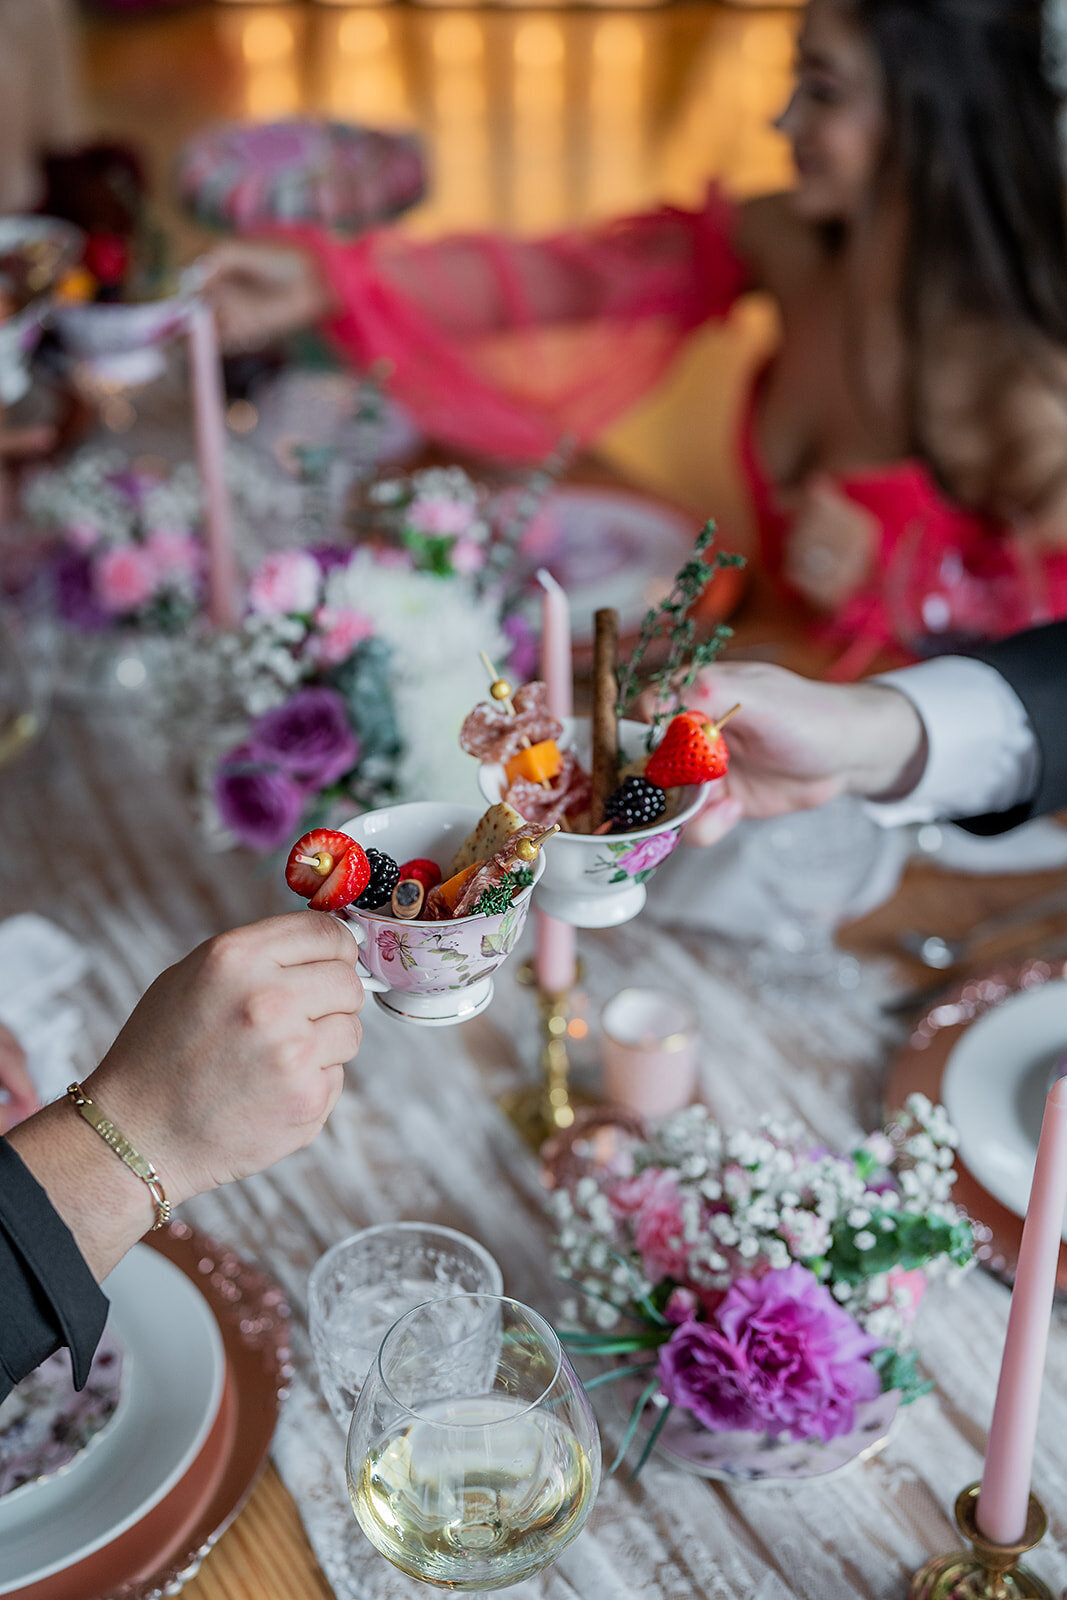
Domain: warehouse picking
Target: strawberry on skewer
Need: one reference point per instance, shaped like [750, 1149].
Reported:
[328, 869]
[692, 750]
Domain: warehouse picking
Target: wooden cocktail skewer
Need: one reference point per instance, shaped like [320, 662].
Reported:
[500, 690]
[713, 728]
[323, 862]
[528, 850]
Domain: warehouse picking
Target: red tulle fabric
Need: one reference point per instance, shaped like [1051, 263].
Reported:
[506, 347]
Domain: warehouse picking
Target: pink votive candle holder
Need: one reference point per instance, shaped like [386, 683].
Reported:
[648, 1049]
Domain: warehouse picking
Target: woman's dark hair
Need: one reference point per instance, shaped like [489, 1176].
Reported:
[974, 147]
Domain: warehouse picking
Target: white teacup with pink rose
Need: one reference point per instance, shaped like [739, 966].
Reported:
[598, 881]
[433, 974]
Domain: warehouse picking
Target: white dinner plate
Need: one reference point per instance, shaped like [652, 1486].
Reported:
[174, 1366]
[609, 547]
[995, 1086]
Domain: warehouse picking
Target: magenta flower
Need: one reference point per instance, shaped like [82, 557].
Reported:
[648, 853]
[782, 1357]
[310, 738]
[340, 630]
[261, 804]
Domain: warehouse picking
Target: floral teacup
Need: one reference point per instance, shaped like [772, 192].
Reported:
[431, 973]
[121, 345]
[599, 882]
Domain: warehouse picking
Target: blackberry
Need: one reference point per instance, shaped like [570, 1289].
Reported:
[635, 804]
[384, 877]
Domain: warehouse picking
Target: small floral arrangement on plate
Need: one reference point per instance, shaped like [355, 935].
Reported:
[127, 551]
[438, 516]
[757, 1282]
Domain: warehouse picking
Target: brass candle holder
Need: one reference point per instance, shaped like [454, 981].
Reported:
[987, 1571]
[547, 1107]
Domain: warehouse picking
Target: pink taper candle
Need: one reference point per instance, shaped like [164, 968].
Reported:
[1002, 1504]
[556, 667]
[556, 959]
[205, 365]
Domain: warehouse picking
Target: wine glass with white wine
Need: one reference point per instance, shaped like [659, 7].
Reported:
[473, 1452]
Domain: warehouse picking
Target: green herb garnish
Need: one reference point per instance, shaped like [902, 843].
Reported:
[670, 620]
[497, 899]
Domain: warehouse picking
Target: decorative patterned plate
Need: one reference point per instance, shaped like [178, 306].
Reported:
[164, 1549]
[246, 175]
[921, 1066]
[46, 1425]
[757, 1457]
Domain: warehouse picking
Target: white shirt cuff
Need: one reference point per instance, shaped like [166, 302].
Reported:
[981, 751]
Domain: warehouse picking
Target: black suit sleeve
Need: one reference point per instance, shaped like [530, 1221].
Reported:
[48, 1296]
[1034, 664]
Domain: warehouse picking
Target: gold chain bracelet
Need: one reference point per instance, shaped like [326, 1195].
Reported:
[123, 1149]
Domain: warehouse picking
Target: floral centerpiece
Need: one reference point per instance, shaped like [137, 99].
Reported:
[759, 1283]
[126, 547]
[333, 696]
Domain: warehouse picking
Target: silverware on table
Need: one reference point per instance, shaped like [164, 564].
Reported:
[936, 951]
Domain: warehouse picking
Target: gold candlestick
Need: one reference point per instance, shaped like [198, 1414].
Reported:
[987, 1571]
[547, 1107]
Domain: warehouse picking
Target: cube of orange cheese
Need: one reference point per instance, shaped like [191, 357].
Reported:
[540, 762]
[450, 891]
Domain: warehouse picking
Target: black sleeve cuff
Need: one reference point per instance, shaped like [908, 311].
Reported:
[49, 1296]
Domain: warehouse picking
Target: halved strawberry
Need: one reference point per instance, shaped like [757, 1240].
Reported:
[328, 869]
[426, 872]
[686, 753]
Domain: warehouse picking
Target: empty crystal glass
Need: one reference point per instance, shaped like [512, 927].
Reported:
[359, 1288]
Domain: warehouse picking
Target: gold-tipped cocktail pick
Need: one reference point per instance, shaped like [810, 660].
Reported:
[322, 862]
[500, 691]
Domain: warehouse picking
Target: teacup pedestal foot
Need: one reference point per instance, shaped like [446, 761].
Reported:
[438, 1010]
[986, 1571]
[540, 1110]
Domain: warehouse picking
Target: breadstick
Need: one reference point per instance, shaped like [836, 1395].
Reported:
[605, 714]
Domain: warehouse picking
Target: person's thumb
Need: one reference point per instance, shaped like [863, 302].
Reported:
[714, 822]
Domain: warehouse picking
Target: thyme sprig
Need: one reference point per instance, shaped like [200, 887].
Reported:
[670, 620]
[496, 900]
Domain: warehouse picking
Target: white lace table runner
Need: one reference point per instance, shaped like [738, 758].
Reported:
[108, 851]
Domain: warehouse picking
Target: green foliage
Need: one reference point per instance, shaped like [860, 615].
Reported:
[900, 1370]
[365, 680]
[670, 621]
[902, 1239]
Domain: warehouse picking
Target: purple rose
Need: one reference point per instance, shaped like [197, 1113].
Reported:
[310, 737]
[648, 853]
[260, 803]
[781, 1357]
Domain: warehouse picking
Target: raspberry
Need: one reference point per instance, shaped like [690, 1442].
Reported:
[427, 872]
[384, 877]
[635, 804]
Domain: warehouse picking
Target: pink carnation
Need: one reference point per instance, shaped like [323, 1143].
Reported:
[82, 535]
[125, 578]
[467, 556]
[173, 554]
[340, 630]
[653, 1202]
[285, 583]
[439, 515]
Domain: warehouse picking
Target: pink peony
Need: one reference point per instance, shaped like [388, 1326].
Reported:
[285, 583]
[782, 1357]
[124, 578]
[439, 515]
[647, 853]
[340, 630]
[173, 554]
[653, 1203]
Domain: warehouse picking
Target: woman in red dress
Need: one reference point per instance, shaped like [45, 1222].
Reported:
[918, 394]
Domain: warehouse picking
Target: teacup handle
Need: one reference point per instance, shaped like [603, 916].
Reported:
[371, 984]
